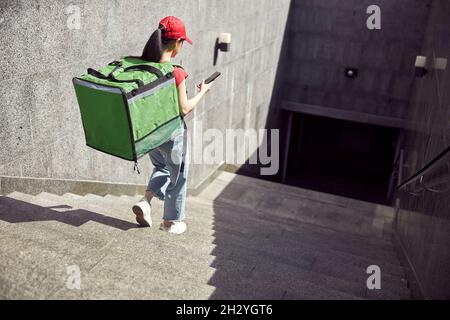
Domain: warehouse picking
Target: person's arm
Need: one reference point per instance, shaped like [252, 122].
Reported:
[188, 105]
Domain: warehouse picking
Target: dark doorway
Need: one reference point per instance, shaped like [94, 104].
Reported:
[341, 157]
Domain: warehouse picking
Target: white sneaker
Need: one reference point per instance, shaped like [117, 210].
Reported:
[143, 211]
[177, 227]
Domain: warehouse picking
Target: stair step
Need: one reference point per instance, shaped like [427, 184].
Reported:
[263, 289]
[302, 259]
[116, 218]
[396, 286]
[72, 196]
[145, 270]
[177, 254]
[190, 239]
[245, 249]
[242, 243]
[114, 286]
[110, 202]
[241, 229]
[210, 216]
[45, 199]
[35, 217]
[282, 189]
[95, 234]
[36, 248]
[135, 198]
[292, 275]
[111, 198]
[305, 233]
[259, 217]
[116, 206]
[303, 210]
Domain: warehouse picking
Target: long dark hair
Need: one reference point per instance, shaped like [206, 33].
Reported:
[155, 46]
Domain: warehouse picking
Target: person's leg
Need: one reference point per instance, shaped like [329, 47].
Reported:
[156, 188]
[174, 205]
[159, 179]
[175, 192]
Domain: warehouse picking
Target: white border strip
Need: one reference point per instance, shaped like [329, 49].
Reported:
[97, 86]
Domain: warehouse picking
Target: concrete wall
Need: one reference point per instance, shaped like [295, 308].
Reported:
[325, 37]
[423, 221]
[40, 129]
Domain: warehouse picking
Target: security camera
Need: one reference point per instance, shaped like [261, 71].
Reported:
[351, 73]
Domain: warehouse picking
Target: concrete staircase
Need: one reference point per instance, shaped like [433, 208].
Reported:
[246, 239]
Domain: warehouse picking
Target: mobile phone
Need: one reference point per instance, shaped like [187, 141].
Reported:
[212, 77]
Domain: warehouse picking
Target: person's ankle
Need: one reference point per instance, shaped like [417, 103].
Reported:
[149, 196]
[168, 224]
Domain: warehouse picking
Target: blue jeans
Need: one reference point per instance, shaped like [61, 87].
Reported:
[169, 178]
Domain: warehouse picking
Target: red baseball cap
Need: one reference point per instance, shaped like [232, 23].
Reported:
[174, 28]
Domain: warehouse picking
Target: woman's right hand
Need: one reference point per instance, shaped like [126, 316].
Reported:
[203, 87]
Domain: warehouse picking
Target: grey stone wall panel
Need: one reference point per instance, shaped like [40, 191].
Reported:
[41, 130]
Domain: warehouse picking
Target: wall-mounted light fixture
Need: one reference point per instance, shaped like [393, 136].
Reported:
[440, 64]
[421, 66]
[223, 43]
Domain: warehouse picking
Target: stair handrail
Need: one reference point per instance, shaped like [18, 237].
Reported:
[420, 175]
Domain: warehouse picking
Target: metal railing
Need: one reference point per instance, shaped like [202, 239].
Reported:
[430, 184]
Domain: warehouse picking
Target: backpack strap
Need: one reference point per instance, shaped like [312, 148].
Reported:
[177, 65]
[111, 77]
[144, 67]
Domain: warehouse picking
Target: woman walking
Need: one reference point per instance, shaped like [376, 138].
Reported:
[169, 178]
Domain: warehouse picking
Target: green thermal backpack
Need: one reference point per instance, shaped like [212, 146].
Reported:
[129, 107]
